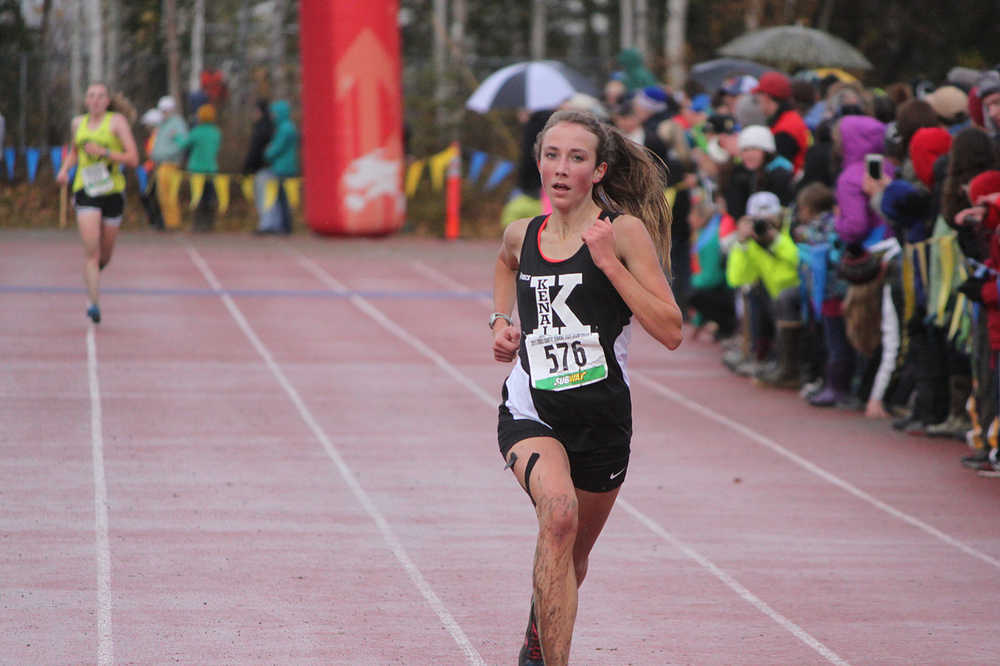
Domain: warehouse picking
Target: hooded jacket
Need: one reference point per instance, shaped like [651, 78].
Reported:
[283, 151]
[636, 74]
[860, 135]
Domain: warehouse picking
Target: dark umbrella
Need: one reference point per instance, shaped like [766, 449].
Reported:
[533, 85]
[796, 45]
[711, 73]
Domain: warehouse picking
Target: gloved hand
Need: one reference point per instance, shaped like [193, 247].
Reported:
[973, 289]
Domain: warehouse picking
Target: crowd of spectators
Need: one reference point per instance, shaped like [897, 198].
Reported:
[172, 146]
[833, 238]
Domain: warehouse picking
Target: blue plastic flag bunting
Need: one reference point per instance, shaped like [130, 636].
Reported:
[476, 163]
[500, 171]
[9, 155]
[31, 155]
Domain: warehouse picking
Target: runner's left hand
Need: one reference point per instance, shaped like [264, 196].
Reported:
[600, 240]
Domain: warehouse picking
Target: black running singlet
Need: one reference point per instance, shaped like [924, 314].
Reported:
[575, 331]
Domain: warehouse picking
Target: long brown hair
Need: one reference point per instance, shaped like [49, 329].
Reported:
[635, 182]
[972, 153]
[119, 103]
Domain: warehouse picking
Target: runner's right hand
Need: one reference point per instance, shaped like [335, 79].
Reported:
[506, 341]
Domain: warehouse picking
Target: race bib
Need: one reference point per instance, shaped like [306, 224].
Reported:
[97, 179]
[561, 361]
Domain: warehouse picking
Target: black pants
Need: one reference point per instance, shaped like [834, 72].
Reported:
[716, 304]
[204, 213]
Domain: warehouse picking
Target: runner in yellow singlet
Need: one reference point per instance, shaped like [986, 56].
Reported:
[101, 143]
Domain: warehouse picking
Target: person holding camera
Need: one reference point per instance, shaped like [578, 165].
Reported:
[766, 257]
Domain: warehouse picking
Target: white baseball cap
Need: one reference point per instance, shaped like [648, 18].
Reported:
[763, 204]
[757, 136]
[152, 118]
[166, 104]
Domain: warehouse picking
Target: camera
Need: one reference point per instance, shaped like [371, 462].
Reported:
[760, 227]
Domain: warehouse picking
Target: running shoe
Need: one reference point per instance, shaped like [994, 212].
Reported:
[94, 313]
[531, 651]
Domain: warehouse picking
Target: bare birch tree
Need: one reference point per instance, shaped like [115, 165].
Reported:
[627, 35]
[76, 58]
[279, 79]
[676, 29]
[751, 19]
[197, 45]
[95, 40]
[173, 52]
[539, 28]
[640, 29]
[114, 41]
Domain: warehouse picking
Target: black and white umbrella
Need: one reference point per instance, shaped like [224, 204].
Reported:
[534, 85]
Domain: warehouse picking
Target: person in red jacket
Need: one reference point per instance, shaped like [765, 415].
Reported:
[791, 136]
[982, 287]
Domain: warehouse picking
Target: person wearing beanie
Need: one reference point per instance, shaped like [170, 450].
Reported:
[169, 159]
[988, 92]
[927, 145]
[791, 136]
[151, 120]
[202, 144]
[759, 169]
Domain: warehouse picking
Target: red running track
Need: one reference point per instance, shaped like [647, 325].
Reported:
[281, 451]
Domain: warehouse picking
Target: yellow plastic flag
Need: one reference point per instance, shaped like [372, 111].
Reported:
[413, 174]
[197, 188]
[246, 186]
[293, 186]
[221, 182]
[270, 193]
[946, 255]
[439, 163]
[909, 292]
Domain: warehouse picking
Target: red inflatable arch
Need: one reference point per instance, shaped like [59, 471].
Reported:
[352, 116]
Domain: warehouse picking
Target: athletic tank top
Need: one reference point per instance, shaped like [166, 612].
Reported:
[90, 169]
[575, 330]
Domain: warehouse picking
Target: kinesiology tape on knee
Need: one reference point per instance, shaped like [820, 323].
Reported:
[527, 475]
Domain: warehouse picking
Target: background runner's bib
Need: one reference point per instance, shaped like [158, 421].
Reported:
[97, 179]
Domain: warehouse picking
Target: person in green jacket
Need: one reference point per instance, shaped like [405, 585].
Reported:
[203, 142]
[767, 256]
[282, 155]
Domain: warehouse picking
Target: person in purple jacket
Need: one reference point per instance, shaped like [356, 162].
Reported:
[854, 137]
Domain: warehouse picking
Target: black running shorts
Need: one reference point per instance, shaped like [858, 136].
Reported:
[594, 469]
[111, 205]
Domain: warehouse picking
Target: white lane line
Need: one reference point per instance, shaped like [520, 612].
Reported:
[345, 471]
[105, 639]
[811, 467]
[389, 325]
[732, 584]
[650, 524]
[755, 436]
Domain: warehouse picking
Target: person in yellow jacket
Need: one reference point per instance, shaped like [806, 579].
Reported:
[102, 142]
[765, 254]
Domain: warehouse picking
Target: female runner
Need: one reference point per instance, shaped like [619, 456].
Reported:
[102, 142]
[578, 276]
